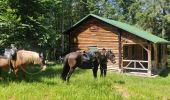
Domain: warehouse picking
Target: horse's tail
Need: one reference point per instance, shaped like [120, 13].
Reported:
[65, 68]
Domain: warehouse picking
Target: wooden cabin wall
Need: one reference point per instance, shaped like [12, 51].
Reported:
[95, 33]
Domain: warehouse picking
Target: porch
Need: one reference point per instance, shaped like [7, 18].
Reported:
[148, 59]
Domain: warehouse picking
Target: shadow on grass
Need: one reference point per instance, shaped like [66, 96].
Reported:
[119, 82]
[165, 72]
[53, 71]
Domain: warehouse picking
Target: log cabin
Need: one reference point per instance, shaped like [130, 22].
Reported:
[135, 49]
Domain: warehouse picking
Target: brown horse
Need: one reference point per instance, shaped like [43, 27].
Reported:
[5, 63]
[103, 58]
[23, 58]
[5, 59]
[78, 59]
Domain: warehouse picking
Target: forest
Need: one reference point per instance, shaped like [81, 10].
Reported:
[38, 24]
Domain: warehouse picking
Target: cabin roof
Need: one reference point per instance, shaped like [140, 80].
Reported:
[129, 28]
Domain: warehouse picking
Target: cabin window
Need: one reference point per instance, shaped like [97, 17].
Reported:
[93, 35]
[92, 48]
[93, 28]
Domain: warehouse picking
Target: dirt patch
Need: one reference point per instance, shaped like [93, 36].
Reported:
[165, 98]
[123, 91]
[46, 97]
[11, 98]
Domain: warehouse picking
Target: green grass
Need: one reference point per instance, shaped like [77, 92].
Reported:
[48, 86]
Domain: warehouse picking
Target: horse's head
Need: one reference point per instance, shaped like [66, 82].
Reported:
[110, 55]
[43, 61]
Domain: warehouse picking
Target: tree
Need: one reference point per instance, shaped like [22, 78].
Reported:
[38, 24]
[154, 17]
[30, 13]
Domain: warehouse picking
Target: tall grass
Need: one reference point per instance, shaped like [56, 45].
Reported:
[82, 86]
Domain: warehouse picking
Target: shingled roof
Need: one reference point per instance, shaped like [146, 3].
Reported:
[126, 27]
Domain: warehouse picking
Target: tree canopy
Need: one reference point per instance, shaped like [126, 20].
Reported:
[38, 24]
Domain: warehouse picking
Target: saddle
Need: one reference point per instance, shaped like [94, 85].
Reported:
[86, 57]
[86, 63]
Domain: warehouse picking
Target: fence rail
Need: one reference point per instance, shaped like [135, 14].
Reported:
[134, 66]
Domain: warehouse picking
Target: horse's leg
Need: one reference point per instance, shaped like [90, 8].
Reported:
[70, 73]
[16, 72]
[95, 68]
[101, 70]
[0, 73]
[95, 72]
[72, 64]
[23, 73]
[105, 69]
[65, 71]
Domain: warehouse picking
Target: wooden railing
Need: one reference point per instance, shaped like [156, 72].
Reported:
[134, 66]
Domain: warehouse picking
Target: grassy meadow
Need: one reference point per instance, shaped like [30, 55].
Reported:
[116, 86]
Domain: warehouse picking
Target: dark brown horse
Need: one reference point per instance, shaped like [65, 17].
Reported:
[103, 58]
[78, 59]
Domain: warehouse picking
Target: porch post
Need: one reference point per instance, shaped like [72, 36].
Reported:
[155, 55]
[149, 60]
[120, 50]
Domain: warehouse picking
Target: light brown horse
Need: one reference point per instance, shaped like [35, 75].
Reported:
[23, 58]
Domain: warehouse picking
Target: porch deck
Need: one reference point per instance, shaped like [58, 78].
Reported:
[132, 72]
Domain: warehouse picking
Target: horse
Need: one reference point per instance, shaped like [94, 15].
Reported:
[5, 59]
[5, 63]
[77, 59]
[23, 58]
[103, 58]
